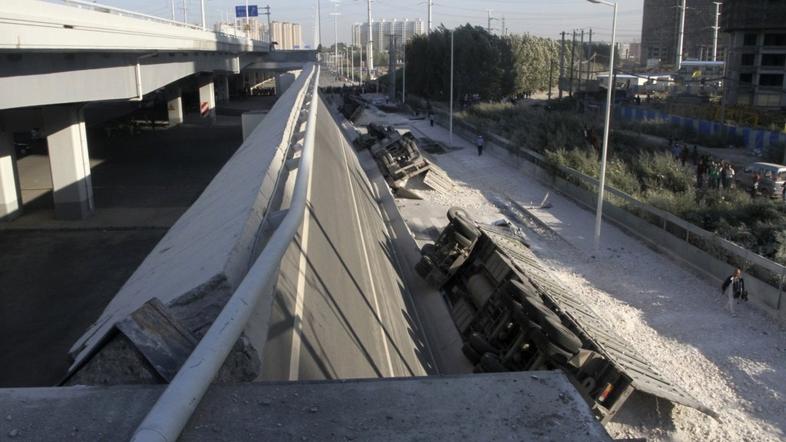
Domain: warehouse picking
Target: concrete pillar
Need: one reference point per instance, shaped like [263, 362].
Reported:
[174, 105]
[10, 192]
[222, 89]
[69, 161]
[283, 82]
[207, 98]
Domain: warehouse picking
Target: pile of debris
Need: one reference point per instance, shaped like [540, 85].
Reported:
[514, 316]
[401, 161]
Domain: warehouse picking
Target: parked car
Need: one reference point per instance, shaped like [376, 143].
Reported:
[773, 178]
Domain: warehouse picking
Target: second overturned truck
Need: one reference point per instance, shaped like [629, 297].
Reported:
[513, 315]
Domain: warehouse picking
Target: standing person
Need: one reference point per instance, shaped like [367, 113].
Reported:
[694, 155]
[755, 186]
[479, 141]
[700, 169]
[734, 289]
[728, 174]
[714, 175]
[684, 155]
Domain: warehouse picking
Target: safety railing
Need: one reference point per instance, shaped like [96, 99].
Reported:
[125, 12]
[171, 412]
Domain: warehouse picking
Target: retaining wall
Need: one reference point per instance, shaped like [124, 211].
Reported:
[755, 139]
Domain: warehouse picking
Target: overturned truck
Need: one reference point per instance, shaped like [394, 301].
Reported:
[513, 315]
[400, 158]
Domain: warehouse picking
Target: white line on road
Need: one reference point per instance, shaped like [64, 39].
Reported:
[365, 255]
[297, 322]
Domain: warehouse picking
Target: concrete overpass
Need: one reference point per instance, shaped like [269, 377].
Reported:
[58, 57]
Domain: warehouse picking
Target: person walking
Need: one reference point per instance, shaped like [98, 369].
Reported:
[480, 142]
[728, 176]
[700, 170]
[734, 289]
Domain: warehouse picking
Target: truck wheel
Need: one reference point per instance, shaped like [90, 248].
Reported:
[466, 228]
[428, 250]
[537, 311]
[479, 343]
[423, 267]
[462, 240]
[491, 364]
[561, 336]
[470, 353]
[457, 212]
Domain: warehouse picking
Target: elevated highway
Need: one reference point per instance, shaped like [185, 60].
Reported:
[59, 57]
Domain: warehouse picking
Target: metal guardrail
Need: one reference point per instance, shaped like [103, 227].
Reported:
[125, 12]
[171, 412]
[138, 15]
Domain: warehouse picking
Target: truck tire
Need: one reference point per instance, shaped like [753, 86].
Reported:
[491, 364]
[465, 228]
[457, 212]
[561, 336]
[423, 267]
[480, 344]
[462, 240]
[428, 250]
[470, 353]
[524, 290]
[537, 311]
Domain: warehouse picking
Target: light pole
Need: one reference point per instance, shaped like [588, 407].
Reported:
[451, 87]
[601, 187]
[404, 74]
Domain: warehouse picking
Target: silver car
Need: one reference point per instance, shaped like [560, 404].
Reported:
[773, 178]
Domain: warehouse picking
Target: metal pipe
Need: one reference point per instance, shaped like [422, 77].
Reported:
[138, 71]
[174, 408]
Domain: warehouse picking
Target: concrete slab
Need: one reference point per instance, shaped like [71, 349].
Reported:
[535, 406]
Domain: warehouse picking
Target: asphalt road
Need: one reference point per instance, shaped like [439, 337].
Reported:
[340, 310]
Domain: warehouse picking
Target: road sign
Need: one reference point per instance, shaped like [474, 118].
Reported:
[240, 11]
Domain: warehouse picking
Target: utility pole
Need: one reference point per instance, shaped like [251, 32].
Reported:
[504, 29]
[335, 46]
[572, 59]
[352, 63]
[681, 38]
[404, 74]
[430, 4]
[370, 48]
[590, 55]
[185, 10]
[269, 28]
[173, 9]
[451, 86]
[715, 30]
[561, 64]
[247, 17]
[581, 59]
[392, 66]
[204, 23]
[488, 28]
[551, 76]
[318, 32]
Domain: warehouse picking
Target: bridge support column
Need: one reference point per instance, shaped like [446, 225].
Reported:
[222, 89]
[174, 105]
[69, 161]
[283, 82]
[207, 97]
[10, 192]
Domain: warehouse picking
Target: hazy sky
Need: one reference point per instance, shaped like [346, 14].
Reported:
[539, 17]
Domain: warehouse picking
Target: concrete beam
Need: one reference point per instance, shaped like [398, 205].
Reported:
[69, 161]
[10, 192]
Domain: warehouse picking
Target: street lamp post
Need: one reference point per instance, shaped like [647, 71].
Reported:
[602, 178]
[451, 88]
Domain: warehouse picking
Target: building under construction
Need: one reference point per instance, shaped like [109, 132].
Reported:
[661, 28]
[757, 63]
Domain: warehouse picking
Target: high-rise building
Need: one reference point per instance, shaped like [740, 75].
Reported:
[661, 26]
[287, 35]
[381, 30]
[756, 30]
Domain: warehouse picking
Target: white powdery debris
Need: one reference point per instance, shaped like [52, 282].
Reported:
[674, 319]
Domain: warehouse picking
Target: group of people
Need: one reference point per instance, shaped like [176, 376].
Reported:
[715, 175]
